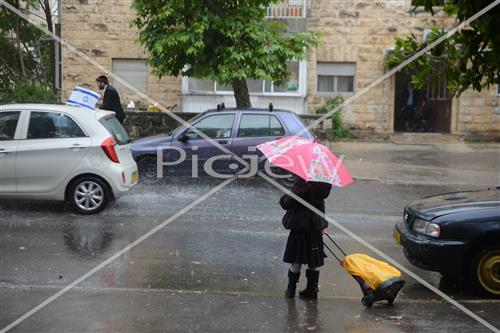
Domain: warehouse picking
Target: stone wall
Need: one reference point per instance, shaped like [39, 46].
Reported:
[101, 29]
[478, 113]
[359, 32]
[142, 123]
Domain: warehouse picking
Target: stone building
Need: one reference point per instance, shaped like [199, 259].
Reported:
[357, 36]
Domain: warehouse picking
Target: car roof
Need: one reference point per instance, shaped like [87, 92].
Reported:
[246, 110]
[73, 110]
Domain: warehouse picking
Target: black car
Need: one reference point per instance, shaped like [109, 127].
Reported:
[455, 234]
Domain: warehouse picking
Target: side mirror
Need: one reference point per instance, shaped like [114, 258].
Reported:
[184, 137]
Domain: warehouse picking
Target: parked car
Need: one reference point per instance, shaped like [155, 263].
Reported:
[58, 152]
[455, 234]
[237, 130]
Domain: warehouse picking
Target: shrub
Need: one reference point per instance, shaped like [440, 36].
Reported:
[339, 131]
[26, 92]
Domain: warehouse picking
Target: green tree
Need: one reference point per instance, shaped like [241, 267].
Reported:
[26, 57]
[470, 58]
[228, 41]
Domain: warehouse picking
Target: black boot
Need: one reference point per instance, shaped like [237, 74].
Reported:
[293, 278]
[311, 290]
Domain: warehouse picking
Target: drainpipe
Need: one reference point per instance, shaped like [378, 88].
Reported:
[57, 47]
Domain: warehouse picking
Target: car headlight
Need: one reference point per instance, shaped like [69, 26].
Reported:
[426, 228]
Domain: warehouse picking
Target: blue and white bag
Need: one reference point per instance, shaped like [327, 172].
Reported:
[83, 97]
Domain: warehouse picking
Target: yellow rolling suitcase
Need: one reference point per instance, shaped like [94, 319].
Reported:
[378, 280]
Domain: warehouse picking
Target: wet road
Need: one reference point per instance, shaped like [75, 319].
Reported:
[215, 269]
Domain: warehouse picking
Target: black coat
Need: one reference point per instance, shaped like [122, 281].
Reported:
[300, 217]
[111, 102]
[305, 242]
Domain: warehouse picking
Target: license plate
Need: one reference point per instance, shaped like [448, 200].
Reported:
[133, 178]
[397, 236]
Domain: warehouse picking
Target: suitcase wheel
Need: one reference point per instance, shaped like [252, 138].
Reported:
[368, 300]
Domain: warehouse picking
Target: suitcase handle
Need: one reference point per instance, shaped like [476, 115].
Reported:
[338, 247]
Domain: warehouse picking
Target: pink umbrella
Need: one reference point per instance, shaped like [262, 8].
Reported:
[307, 159]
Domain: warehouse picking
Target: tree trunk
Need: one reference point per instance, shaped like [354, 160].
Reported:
[241, 94]
[18, 42]
[45, 4]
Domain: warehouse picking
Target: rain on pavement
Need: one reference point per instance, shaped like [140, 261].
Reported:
[218, 267]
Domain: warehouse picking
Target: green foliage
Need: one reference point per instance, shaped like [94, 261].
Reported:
[26, 92]
[224, 40]
[339, 131]
[426, 69]
[470, 58]
[9, 72]
[25, 56]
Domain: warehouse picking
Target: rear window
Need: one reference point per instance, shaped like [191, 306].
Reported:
[116, 130]
[259, 125]
[295, 125]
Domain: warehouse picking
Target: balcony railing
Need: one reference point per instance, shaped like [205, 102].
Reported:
[287, 9]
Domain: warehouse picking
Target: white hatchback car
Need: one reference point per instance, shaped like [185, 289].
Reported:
[66, 153]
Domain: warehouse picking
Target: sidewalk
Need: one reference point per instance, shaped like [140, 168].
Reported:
[426, 163]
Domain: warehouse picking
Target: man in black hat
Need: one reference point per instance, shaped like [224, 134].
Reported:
[111, 99]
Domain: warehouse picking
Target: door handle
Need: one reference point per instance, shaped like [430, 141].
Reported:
[223, 142]
[76, 146]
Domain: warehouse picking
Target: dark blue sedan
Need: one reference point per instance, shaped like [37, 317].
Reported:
[240, 131]
[455, 234]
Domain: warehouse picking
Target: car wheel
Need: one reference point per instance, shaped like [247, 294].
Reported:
[148, 170]
[485, 271]
[89, 195]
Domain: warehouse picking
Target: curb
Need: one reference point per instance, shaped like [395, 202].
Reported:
[408, 182]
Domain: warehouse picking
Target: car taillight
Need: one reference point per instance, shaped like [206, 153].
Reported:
[109, 148]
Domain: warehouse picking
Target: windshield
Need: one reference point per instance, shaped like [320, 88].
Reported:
[190, 121]
[116, 130]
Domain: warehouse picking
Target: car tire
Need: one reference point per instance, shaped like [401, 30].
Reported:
[485, 271]
[148, 170]
[89, 195]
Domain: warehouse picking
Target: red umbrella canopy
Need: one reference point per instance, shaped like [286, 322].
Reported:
[307, 159]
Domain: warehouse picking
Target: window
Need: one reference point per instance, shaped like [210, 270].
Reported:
[201, 85]
[254, 86]
[292, 86]
[498, 89]
[116, 130]
[134, 71]
[336, 76]
[215, 127]
[259, 125]
[49, 125]
[8, 125]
